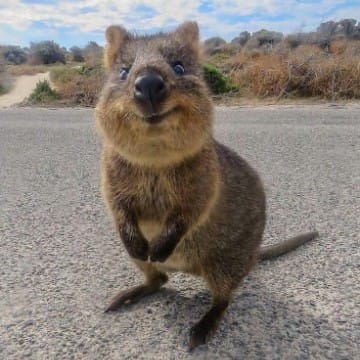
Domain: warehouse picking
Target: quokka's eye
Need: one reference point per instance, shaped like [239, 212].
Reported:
[124, 73]
[178, 68]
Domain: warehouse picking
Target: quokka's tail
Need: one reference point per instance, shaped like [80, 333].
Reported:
[273, 251]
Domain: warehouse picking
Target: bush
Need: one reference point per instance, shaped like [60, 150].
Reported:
[264, 38]
[307, 71]
[93, 53]
[216, 80]
[326, 33]
[63, 74]
[77, 54]
[46, 52]
[214, 45]
[5, 78]
[43, 93]
[347, 48]
[13, 54]
[80, 85]
[295, 40]
[242, 39]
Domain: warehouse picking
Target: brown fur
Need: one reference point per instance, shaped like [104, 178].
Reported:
[180, 200]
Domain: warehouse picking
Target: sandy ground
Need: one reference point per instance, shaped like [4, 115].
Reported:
[61, 261]
[22, 88]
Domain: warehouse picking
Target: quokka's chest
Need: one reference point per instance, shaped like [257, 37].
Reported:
[153, 199]
[151, 194]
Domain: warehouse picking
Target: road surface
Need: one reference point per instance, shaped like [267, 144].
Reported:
[61, 261]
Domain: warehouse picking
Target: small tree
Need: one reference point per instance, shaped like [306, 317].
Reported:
[356, 34]
[214, 45]
[346, 27]
[93, 53]
[266, 37]
[46, 52]
[242, 39]
[13, 54]
[326, 29]
[77, 54]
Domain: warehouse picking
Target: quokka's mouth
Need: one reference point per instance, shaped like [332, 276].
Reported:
[157, 118]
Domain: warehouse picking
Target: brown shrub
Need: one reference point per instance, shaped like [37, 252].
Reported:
[282, 49]
[93, 54]
[348, 48]
[260, 75]
[338, 47]
[63, 74]
[305, 71]
[335, 78]
[82, 88]
[305, 52]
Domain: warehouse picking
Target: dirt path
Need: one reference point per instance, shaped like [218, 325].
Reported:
[22, 88]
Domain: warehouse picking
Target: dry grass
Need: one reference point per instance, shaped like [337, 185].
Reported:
[306, 71]
[348, 48]
[78, 86]
[26, 69]
[63, 74]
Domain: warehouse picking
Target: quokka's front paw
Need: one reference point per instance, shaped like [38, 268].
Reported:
[163, 246]
[135, 244]
[141, 251]
[160, 250]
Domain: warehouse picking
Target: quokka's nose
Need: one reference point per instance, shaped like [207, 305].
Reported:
[150, 88]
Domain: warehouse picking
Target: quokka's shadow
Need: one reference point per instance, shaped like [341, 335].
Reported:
[257, 324]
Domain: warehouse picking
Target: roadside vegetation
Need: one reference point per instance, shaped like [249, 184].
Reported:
[324, 64]
[79, 84]
[217, 81]
[5, 78]
[26, 69]
[43, 94]
[306, 71]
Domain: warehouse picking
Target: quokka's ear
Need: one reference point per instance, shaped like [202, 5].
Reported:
[188, 33]
[116, 36]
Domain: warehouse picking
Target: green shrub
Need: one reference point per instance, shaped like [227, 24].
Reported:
[5, 83]
[63, 74]
[77, 54]
[216, 80]
[13, 54]
[5, 78]
[46, 52]
[43, 93]
[89, 70]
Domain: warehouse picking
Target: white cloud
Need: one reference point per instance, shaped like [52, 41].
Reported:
[291, 15]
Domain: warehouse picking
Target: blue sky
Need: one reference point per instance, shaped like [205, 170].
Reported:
[71, 22]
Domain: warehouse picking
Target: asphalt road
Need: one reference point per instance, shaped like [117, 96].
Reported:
[61, 261]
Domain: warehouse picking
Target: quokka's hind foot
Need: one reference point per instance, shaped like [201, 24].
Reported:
[221, 288]
[136, 293]
[202, 331]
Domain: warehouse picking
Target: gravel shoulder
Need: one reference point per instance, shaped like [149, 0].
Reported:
[61, 261]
